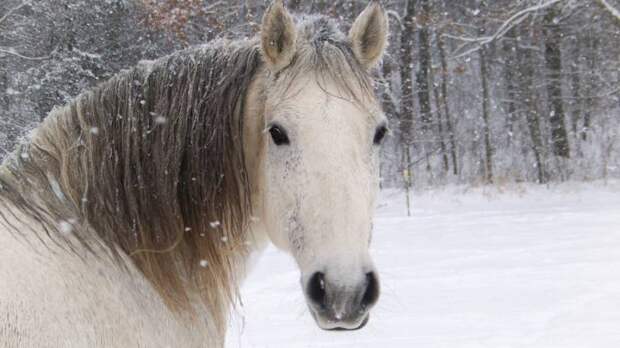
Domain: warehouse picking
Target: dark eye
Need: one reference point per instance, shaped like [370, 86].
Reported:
[379, 135]
[278, 134]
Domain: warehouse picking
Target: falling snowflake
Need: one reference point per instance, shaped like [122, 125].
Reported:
[11, 91]
[66, 227]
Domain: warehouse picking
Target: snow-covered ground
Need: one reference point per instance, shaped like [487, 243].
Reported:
[522, 266]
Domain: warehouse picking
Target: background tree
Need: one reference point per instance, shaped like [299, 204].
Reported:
[474, 89]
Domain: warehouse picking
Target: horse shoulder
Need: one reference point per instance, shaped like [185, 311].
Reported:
[51, 298]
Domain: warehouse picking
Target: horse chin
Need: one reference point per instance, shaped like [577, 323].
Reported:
[332, 325]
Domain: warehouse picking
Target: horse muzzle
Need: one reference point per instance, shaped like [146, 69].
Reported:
[337, 306]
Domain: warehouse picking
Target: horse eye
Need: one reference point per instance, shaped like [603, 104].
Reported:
[278, 134]
[379, 135]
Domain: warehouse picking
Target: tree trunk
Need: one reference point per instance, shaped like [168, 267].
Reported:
[486, 131]
[553, 59]
[590, 86]
[527, 96]
[407, 107]
[407, 178]
[422, 81]
[444, 102]
[439, 121]
[575, 80]
[509, 79]
[406, 50]
[424, 55]
[388, 104]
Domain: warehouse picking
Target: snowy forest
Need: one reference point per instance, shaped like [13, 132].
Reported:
[476, 91]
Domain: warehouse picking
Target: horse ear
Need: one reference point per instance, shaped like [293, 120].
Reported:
[369, 33]
[278, 36]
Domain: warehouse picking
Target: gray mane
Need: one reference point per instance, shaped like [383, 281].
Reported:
[146, 162]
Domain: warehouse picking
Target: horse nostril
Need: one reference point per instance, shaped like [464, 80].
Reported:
[316, 289]
[371, 295]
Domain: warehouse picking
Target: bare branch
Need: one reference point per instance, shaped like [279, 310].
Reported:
[24, 3]
[510, 23]
[396, 16]
[518, 18]
[613, 11]
[12, 52]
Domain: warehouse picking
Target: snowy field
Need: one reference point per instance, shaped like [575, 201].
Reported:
[522, 266]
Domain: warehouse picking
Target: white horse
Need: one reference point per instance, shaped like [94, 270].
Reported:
[128, 218]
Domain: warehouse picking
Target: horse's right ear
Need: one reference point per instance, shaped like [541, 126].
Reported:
[278, 36]
[369, 34]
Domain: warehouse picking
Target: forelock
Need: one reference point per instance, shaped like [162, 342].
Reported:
[324, 50]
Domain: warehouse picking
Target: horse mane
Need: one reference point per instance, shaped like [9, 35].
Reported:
[151, 163]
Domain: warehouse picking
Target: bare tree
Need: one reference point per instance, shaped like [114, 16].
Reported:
[406, 78]
[553, 59]
[445, 103]
[529, 103]
[486, 129]
[495, 86]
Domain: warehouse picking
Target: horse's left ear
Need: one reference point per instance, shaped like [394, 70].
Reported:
[278, 36]
[369, 33]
